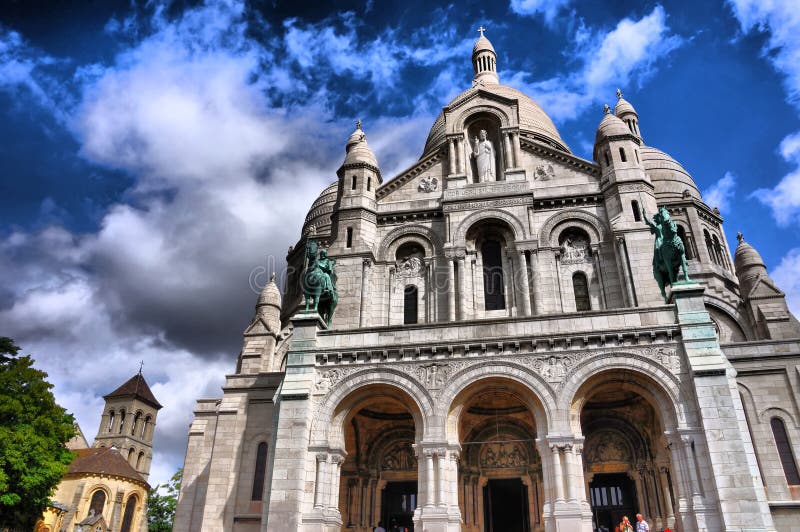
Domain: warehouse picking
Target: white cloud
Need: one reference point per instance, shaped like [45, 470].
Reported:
[787, 276]
[608, 59]
[784, 198]
[548, 8]
[721, 193]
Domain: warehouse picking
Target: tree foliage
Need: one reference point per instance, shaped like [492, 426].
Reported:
[33, 431]
[161, 507]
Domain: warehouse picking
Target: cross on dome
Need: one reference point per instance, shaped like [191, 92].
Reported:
[481, 30]
[619, 94]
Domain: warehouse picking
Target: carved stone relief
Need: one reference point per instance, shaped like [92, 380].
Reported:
[544, 172]
[606, 446]
[399, 457]
[410, 267]
[502, 455]
[428, 184]
[575, 249]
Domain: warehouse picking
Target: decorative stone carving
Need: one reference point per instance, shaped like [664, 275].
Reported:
[410, 267]
[607, 446]
[433, 376]
[575, 249]
[328, 378]
[428, 184]
[502, 456]
[544, 172]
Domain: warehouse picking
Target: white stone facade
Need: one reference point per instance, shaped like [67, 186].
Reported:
[503, 342]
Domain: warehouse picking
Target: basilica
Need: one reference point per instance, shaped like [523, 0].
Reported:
[488, 341]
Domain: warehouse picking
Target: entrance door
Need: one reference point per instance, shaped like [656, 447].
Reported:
[398, 504]
[505, 506]
[612, 496]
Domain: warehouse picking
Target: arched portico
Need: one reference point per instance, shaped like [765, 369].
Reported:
[363, 442]
[629, 419]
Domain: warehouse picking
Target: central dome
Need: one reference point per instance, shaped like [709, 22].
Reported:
[532, 118]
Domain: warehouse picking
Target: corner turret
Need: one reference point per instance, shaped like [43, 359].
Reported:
[764, 301]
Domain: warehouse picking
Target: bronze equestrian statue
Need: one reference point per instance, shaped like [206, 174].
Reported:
[319, 282]
[669, 253]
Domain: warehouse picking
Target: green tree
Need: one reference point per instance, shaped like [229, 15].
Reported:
[161, 508]
[33, 431]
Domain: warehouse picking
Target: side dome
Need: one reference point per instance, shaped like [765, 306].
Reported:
[532, 118]
[610, 126]
[669, 177]
[321, 210]
[357, 149]
[747, 257]
[270, 295]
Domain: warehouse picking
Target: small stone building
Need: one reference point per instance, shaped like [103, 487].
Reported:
[501, 357]
[105, 489]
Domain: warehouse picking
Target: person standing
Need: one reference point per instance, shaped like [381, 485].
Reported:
[625, 525]
[641, 524]
[379, 528]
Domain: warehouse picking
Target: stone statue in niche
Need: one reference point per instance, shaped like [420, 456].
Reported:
[485, 156]
[428, 184]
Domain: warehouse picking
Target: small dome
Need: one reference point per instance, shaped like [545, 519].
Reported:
[483, 44]
[319, 215]
[623, 106]
[358, 150]
[746, 257]
[270, 295]
[611, 126]
[669, 177]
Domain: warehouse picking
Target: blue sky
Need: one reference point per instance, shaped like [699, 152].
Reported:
[158, 158]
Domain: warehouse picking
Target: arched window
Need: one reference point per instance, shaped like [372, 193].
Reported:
[97, 503]
[349, 242]
[785, 451]
[353, 183]
[709, 246]
[493, 282]
[145, 425]
[136, 420]
[260, 472]
[369, 183]
[622, 155]
[121, 420]
[140, 461]
[637, 215]
[581, 288]
[110, 421]
[132, 456]
[127, 519]
[686, 245]
[410, 304]
[718, 251]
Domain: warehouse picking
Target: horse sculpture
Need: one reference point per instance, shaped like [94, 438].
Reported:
[319, 283]
[669, 253]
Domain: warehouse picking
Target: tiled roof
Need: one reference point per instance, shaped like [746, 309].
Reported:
[103, 461]
[136, 386]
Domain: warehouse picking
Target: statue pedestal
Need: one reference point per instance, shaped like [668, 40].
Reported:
[515, 174]
[455, 181]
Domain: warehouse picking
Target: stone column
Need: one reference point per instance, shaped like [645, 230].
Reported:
[517, 150]
[558, 474]
[365, 269]
[622, 256]
[462, 272]
[668, 506]
[336, 477]
[508, 155]
[537, 289]
[460, 154]
[569, 465]
[557, 260]
[599, 271]
[451, 143]
[391, 289]
[508, 281]
[526, 289]
[451, 289]
[430, 477]
[319, 496]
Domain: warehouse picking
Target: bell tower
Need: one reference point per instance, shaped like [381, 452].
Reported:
[129, 421]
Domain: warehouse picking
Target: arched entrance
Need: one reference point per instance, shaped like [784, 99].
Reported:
[626, 462]
[500, 472]
[378, 479]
